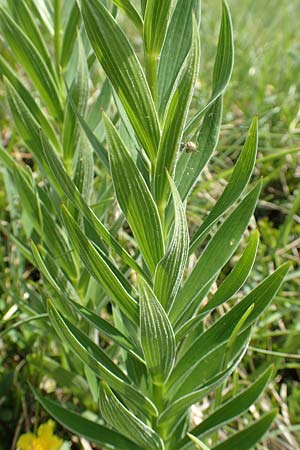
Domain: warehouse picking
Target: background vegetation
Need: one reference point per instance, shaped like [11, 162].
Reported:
[265, 82]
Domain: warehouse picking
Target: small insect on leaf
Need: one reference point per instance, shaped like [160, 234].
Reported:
[189, 147]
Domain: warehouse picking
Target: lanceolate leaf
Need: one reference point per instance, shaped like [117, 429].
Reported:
[190, 165]
[95, 263]
[246, 439]
[235, 187]
[221, 331]
[69, 37]
[157, 336]
[65, 187]
[218, 251]
[32, 62]
[229, 410]
[25, 20]
[124, 72]
[79, 92]
[199, 444]
[210, 374]
[78, 344]
[222, 68]
[93, 140]
[115, 413]
[155, 26]
[170, 269]
[234, 281]
[107, 329]
[79, 425]
[135, 199]
[29, 101]
[131, 13]
[176, 47]
[174, 123]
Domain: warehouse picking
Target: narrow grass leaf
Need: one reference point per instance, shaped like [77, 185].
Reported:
[124, 72]
[135, 199]
[78, 425]
[233, 191]
[78, 342]
[174, 123]
[97, 266]
[230, 410]
[246, 439]
[32, 62]
[157, 336]
[176, 46]
[218, 251]
[222, 68]
[115, 413]
[169, 272]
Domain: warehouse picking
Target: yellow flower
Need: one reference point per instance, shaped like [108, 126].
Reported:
[45, 439]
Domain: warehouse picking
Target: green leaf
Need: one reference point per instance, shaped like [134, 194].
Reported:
[93, 140]
[169, 272]
[95, 262]
[190, 165]
[176, 47]
[157, 336]
[174, 123]
[222, 68]
[115, 413]
[78, 425]
[234, 281]
[210, 374]
[131, 12]
[239, 180]
[26, 22]
[246, 439]
[155, 25]
[35, 110]
[196, 442]
[135, 199]
[233, 408]
[65, 187]
[79, 343]
[79, 92]
[69, 36]
[222, 329]
[32, 62]
[107, 329]
[218, 251]
[124, 72]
